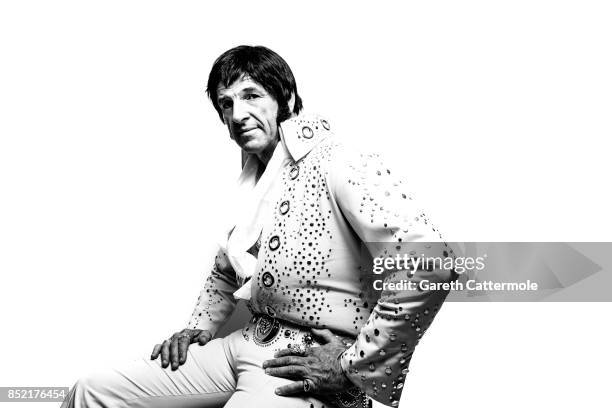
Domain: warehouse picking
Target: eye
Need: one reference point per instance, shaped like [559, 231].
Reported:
[225, 104]
[251, 96]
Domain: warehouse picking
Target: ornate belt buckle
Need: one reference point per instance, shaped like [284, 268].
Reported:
[266, 330]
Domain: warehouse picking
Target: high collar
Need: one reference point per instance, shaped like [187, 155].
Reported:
[302, 133]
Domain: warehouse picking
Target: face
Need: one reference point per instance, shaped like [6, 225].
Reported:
[249, 113]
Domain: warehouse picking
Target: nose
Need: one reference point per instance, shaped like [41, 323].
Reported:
[239, 112]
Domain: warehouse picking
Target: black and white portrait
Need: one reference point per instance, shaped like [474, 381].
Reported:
[189, 192]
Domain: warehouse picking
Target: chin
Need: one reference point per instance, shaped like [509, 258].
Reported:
[251, 148]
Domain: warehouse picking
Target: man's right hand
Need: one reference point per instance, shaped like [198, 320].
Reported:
[174, 350]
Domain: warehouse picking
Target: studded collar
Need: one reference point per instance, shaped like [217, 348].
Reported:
[303, 132]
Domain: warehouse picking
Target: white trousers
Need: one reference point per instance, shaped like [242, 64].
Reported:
[225, 372]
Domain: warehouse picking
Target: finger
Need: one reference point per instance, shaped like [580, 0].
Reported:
[204, 338]
[156, 351]
[295, 387]
[165, 353]
[283, 352]
[292, 372]
[283, 361]
[324, 334]
[288, 352]
[183, 344]
[174, 356]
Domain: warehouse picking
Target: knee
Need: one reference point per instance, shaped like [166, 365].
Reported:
[88, 391]
[86, 383]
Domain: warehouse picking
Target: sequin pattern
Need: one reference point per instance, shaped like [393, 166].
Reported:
[216, 301]
[332, 200]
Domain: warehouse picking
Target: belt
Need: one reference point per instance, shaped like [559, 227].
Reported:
[267, 331]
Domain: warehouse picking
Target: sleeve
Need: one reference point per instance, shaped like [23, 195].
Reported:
[376, 204]
[216, 301]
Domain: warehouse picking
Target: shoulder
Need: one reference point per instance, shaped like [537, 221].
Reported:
[304, 133]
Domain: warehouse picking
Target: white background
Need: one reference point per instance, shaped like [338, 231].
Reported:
[113, 168]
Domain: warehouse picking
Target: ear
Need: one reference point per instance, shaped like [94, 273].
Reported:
[291, 103]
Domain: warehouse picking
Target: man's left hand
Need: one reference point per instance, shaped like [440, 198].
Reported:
[316, 370]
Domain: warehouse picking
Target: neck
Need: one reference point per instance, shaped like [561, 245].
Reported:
[266, 155]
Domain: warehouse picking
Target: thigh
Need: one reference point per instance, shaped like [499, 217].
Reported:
[206, 379]
[266, 398]
[254, 387]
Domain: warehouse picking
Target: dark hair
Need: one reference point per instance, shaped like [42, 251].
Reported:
[263, 66]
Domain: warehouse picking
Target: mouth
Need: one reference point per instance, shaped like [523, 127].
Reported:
[245, 131]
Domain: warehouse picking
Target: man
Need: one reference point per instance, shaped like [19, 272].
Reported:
[304, 208]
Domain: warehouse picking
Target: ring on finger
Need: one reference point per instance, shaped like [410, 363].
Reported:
[299, 349]
[308, 385]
